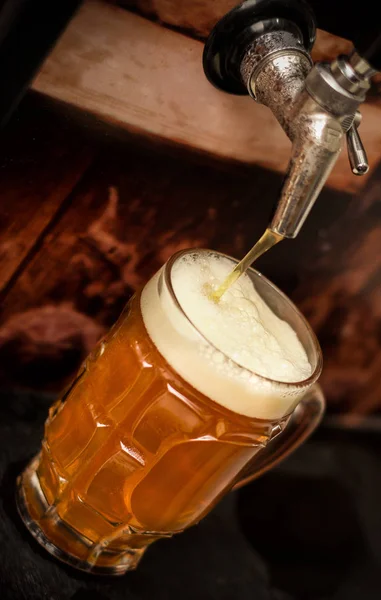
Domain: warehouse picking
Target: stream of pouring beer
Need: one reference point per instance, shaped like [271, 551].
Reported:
[267, 241]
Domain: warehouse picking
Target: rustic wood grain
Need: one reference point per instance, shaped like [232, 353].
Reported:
[146, 78]
[129, 213]
[197, 19]
[40, 166]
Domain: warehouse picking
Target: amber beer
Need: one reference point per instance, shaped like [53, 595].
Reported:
[133, 452]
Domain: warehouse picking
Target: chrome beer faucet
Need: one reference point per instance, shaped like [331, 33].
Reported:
[262, 48]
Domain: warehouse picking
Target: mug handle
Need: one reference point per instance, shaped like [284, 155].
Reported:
[303, 421]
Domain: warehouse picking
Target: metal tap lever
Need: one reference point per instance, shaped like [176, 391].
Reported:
[356, 151]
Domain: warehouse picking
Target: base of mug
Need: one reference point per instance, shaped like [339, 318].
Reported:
[40, 518]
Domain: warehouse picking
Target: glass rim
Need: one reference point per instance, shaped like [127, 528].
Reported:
[315, 343]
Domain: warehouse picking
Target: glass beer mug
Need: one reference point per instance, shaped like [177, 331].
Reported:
[136, 450]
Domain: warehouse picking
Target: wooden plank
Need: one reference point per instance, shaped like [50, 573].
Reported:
[41, 163]
[198, 18]
[132, 210]
[146, 78]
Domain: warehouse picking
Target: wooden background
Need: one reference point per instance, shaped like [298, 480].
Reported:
[90, 210]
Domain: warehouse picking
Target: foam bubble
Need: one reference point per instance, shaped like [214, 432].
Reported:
[246, 339]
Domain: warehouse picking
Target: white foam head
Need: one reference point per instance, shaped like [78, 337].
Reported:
[245, 354]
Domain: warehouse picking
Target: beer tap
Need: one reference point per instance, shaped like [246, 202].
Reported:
[262, 48]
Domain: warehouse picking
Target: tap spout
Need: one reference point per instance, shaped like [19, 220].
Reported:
[317, 139]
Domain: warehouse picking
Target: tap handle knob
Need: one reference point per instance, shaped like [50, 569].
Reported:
[234, 33]
[356, 151]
